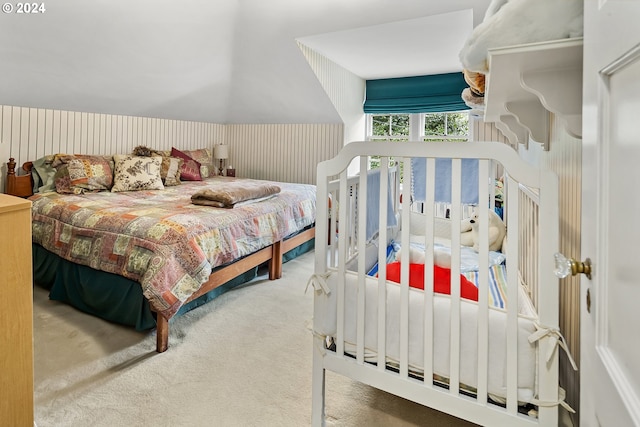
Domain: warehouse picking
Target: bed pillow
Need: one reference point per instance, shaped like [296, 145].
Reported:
[170, 171]
[190, 170]
[205, 158]
[441, 280]
[43, 175]
[77, 174]
[133, 173]
[469, 259]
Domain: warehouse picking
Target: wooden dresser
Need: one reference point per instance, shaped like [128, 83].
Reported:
[16, 313]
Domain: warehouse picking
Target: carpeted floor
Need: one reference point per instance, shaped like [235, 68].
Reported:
[242, 360]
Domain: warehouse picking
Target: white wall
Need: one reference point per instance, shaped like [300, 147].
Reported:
[345, 90]
[216, 61]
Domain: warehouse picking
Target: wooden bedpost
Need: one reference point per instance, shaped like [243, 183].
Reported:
[162, 333]
[11, 175]
[275, 264]
[11, 170]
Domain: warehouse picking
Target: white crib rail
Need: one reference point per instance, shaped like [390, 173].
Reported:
[532, 238]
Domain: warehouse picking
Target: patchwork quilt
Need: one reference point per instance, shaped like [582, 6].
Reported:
[162, 240]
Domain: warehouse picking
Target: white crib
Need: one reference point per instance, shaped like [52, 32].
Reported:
[492, 366]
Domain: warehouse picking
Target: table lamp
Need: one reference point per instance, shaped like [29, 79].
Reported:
[221, 152]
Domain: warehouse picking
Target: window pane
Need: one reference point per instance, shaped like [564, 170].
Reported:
[434, 124]
[446, 127]
[390, 125]
[458, 124]
[400, 125]
[381, 125]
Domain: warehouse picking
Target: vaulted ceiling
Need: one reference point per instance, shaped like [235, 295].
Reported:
[219, 61]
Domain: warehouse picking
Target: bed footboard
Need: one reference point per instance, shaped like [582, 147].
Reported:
[485, 357]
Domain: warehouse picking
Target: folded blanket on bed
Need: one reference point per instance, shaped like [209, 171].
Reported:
[234, 192]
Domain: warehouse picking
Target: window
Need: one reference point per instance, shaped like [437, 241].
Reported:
[389, 127]
[452, 127]
[446, 127]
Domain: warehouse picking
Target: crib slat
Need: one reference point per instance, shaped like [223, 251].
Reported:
[382, 265]
[342, 257]
[483, 288]
[454, 345]
[428, 271]
[492, 187]
[332, 245]
[362, 241]
[548, 294]
[321, 253]
[512, 297]
[404, 272]
[352, 222]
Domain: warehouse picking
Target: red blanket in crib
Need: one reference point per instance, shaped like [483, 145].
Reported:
[441, 279]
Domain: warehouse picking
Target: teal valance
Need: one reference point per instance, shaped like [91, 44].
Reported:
[420, 94]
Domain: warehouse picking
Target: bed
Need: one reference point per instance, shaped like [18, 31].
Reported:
[142, 257]
[489, 357]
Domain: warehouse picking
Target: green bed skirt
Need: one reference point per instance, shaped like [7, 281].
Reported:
[115, 298]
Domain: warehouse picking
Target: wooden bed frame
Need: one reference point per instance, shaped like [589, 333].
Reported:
[22, 186]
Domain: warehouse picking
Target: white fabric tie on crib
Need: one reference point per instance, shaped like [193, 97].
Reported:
[319, 283]
[561, 395]
[558, 341]
[319, 343]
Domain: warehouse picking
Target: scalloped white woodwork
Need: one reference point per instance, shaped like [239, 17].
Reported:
[528, 82]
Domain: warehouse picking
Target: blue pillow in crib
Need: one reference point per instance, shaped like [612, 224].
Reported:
[500, 212]
[392, 249]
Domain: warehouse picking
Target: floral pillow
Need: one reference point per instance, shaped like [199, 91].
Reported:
[76, 174]
[170, 170]
[134, 173]
[190, 170]
[205, 158]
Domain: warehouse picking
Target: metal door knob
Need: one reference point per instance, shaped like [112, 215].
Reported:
[565, 266]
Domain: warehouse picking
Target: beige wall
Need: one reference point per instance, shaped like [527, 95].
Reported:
[288, 153]
[485, 131]
[565, 159]
[276, 152]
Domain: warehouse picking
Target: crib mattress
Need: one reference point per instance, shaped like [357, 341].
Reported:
[326, 310]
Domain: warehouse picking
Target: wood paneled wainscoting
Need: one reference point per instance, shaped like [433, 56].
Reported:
[278, 152]
[564, 157]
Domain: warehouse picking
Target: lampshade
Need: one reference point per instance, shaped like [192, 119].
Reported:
[220, 151]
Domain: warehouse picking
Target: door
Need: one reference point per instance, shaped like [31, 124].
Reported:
[610, 329]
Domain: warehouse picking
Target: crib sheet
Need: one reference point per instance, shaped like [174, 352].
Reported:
[327, 311]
